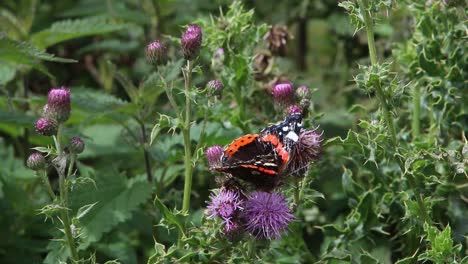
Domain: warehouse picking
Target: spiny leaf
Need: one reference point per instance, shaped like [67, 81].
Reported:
[71, 29]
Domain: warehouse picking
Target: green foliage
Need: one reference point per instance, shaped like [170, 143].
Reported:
[390, 186]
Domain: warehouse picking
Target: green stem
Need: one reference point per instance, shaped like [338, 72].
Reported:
[187, 146]
[64, 197]
[66, 218]
[422, 206]
[415, 126]
[45, 180]
[373, 57]
[296, 193]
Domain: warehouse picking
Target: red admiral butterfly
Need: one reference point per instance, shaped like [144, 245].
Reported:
[261, 158]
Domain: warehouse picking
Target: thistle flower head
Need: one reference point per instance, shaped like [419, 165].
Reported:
[302, 92]
[293, 109]
[266, 215]
[76, 145]
[46, 126]
[156, 52]
[191, 41]
[58, 104]
[225, 204]
[307, 149]
[213, 155]
[277, 38]
[36, 161]
[215, 87]
[283, 93]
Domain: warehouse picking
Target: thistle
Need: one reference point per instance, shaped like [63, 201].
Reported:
[46, 126]
[191, 41]
[156, 52]
[266, 215]
[36, 161]
[58, 105]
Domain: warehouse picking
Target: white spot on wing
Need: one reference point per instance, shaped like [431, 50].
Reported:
[285, 128]
[293, 136]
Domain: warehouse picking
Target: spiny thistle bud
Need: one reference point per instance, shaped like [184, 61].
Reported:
[191, 41]
[303, 92]
[46, 126]
[215, 87]
[36, 161]
[76, 145]
[58, 104]
[283, 93]
[156, 52]
[213, 155]
[217, 60]
[277, 38]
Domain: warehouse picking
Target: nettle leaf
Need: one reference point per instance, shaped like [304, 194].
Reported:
[14, 53]
[71, 29]
[115, 199]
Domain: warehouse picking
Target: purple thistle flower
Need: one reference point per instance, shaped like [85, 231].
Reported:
[213, 155]
[293, 109]
[215, 87]
[225, 204]
[266, 215]
[76, 145]
[156, 52]
[303, 92]
[307, 149]
[46, 126]
[283, 93]
[191, 41]
[36, 161]
[58, 104]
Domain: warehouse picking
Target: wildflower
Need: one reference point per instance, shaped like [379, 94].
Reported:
[307, 149]
[191, 41]
[218, 59]
[58, 105]
[293, 109]
[156, 52]
[36, 161]
[215, 87]
[225, 204]
[277, 38]
[303, 92]
[283, 93]
[213, 155]
[76, 145]
[266, 215]
[46, 126]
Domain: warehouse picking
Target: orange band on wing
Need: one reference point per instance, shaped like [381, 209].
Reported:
[239, 143]
[267, 171]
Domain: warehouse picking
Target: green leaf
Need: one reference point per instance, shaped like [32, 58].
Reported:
[71, 29]
[115, 199]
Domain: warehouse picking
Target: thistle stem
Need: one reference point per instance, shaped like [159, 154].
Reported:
[415, 126]
[64, 197]
[45, 180]
[186, 133]
[373, 57]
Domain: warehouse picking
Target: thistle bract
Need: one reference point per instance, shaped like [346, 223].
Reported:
[156, 52]
[46, 126]
[36, 161]
[76, 145]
